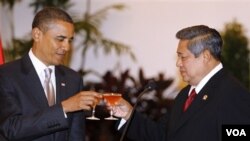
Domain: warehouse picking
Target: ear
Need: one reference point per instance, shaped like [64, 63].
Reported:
[206, 56]
[36, 33]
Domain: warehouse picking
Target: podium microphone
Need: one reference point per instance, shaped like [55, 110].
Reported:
[149, 87]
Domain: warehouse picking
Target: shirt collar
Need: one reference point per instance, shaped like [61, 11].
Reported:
[38, 65]
[206, 78]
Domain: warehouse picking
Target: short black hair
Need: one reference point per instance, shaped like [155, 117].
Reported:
[48, 15]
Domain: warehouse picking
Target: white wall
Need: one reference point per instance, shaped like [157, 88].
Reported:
[148, 27]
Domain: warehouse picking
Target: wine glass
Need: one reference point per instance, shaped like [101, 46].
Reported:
[111, 98]
[93, 117]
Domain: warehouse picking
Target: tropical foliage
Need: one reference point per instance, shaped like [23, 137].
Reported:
[88, 28]
[235, 57]
[235, 52]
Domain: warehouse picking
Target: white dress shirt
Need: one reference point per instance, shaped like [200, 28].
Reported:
[39, 67]
[203, 81]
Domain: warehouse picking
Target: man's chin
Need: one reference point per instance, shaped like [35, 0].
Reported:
[185, 79]
[58, 62]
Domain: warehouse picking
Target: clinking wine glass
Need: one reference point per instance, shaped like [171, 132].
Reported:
[93, 117]
[111, 98]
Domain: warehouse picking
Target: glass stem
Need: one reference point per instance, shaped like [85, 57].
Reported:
[93, 112]
[111, 112]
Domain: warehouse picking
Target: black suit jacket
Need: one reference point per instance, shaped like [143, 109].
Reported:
[221, 101]
[24, 111]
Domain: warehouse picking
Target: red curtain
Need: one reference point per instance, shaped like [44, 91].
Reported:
[1, 52]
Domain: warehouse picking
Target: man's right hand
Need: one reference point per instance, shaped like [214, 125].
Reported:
[83, 100]
[122, 109]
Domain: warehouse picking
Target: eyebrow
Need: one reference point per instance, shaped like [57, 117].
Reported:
[64, 37]
[179, 52]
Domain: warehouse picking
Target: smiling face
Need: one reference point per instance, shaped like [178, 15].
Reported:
[51, 46]
[192, 69]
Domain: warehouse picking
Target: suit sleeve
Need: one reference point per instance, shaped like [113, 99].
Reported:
[14, 125]
[145, 129]
[77, 128]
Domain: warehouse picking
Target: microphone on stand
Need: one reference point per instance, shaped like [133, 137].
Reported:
[149, 87]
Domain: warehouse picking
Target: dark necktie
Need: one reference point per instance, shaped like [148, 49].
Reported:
[48, 87]
[189, 100]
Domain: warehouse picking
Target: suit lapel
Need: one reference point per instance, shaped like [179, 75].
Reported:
[61, 92]
[61, 84]
[33, 82]
[195, 107]
[176, 112]
[206, 95]
[35, 90]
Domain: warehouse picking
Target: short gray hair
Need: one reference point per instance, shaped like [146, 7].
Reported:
[201, 38]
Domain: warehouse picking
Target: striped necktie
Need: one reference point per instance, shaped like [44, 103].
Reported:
[189, 100]
[48, 87]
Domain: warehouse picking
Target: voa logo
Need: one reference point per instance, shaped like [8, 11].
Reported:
[236, 132]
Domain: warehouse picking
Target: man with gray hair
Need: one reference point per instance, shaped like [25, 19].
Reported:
[211, 100]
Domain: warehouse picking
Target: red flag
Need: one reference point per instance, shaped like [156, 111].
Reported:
[1, 52]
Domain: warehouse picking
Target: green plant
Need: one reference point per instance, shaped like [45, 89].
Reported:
[235, 54]
[10, 3]
[9, 50]
[39, 4]
[19, 47]
[154, 107]
[89, 28]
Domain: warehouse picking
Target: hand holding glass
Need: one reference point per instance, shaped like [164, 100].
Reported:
[93, 117]
[111, 98]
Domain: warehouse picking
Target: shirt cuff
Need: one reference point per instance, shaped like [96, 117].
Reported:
[122, 122]
[65, 115]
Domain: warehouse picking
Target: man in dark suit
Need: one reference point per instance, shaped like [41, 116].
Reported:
[25, 114]
[217, 100]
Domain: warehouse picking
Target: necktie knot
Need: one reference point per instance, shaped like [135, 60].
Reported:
[193, 93]
[189, 99]
[47, 74]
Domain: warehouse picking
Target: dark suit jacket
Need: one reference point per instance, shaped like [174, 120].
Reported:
[221, 101]
[24, 111]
